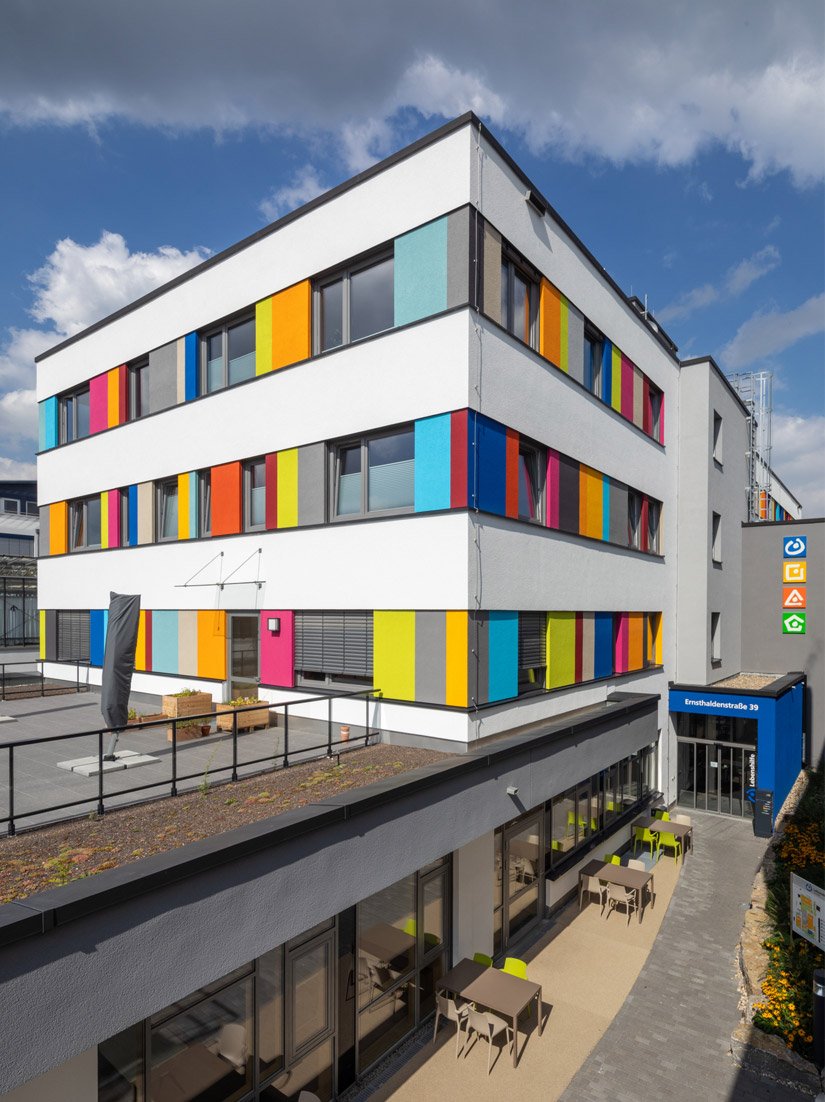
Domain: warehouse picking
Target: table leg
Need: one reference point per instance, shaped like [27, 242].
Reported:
[639, 903]
[538, 1011]
[652, 892]
[515, 1040]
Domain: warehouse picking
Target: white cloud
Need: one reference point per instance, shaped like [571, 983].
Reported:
[736, 282]
[797, 457]
[18, 417]
[78, 284]
[767, 333]
[305, 185]
[742, 76]
[14, 468]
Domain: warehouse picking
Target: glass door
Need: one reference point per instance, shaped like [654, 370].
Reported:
[523, 876]
[243, 656]
[716, 776]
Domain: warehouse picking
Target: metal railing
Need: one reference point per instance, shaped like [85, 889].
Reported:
[269, 761]
[36, 684]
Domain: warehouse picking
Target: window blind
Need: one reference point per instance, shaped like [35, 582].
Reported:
[72, 636]
[334, 642]
[531, 640]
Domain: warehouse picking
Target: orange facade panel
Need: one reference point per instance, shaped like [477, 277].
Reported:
[226, 499]
[212, 644]
[292, 325]
[58, 528]
[550, 322]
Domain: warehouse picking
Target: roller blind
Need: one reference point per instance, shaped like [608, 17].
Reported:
[531, 640]
[72, 636]
[334, 642]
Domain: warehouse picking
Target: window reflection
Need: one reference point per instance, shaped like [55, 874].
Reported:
[120, 1067]
[271, 1010]
[371, 300]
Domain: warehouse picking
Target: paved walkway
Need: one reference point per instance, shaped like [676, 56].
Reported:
[671, 1038]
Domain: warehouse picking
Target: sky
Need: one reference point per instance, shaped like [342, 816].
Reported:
[683, 142]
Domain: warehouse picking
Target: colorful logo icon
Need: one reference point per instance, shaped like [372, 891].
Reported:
[793, 572]
[793, 597]
[793, 623]
[795, 547]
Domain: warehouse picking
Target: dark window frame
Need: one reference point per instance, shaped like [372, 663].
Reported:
[529, 649]
[634, 519]
[307, 676]
[513, 265]
[537, 456]
[222, 329]
[162, 488]
[716, 538]
[596, 343]
[205, 502]
[654, 526]
[344, 275]
[67, 415]
[247, 466]
[82, 503]
[335, 451]
[137, 377]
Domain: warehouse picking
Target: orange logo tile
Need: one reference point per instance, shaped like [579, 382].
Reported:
[793, 597]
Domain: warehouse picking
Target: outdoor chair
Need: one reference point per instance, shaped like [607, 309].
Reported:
[618, 896]
[448, 1008]
[482, 958]
[670, 841]
[489, 1026]
[591, 885]
[644, 836]
[640, 866]
[612, 859]
[516, 967]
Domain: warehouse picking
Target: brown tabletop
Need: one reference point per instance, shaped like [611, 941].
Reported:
[634, 879]
[192, 1073]
[386, 942]
[509, 995]
[666, 826]
[461, 976]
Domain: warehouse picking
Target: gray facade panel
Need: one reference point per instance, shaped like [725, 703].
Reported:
[458, 253]
[44, 529]
[163, 377]
[132, 959]
[618, 512]
[430, 660]
[311, 477]
[575, 344]
[492, 273]
[765, 648]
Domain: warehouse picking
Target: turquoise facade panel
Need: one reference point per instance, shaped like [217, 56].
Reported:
[502, 670]
[432, 463]
[47, 424]
[420, 272]
[164, 641]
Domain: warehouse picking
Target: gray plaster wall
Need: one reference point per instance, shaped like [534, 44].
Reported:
[163, 377]
[106, 970]
[708, 486]
[764, 646]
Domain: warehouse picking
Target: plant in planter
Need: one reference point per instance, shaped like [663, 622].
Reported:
[247, 721]
[188, 702]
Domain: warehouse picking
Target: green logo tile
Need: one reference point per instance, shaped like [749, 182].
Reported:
[793, 623]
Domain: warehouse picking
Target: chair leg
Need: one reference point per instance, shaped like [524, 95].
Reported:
[489, 1053]
[435, 1030]
[457, 1037]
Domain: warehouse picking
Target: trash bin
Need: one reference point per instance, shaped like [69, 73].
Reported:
[763, 813]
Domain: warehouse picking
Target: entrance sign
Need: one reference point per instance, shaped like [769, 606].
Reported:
[795, 547]
[793, 572]
[808, 910]
[714, 703]
[794, 623]
[793, 597]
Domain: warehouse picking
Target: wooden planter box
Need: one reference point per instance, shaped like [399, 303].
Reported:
[247, 721]
[179, 707]
[141, 721]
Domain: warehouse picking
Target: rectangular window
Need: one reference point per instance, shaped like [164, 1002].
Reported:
[205, 503]
[73, 635]
[654, 516]
[374, 474]
[716, 636]
[167, 509]
[228, 355]
[355, 303]
[532, 661]
[74, 415]
[254, 495]
[519, 301]
[716, 537]
[592, 361]
[333, 647]
[530, 467]
[84, 523]
[124, 517]
[138, 377]
[634, 519]
[655, 400]
[717, 437]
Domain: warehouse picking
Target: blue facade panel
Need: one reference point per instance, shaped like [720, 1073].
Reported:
[603, 648]
[502, 673]
[607, 371]
[432, 463]
[487, 458]
[420, 272]
[98, 618]
[190, 346]
[133, 516]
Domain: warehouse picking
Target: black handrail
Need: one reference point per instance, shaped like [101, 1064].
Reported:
[41, 662]
[325, 749]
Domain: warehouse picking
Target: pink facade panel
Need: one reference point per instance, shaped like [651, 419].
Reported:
[627, 388]
[278, 648]
[552, 494]
[620, 660]
[99, 403]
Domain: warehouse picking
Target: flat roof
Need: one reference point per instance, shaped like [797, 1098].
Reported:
[469, 118]
[778, 685]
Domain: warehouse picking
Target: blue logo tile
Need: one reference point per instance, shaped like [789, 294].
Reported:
[795, 547]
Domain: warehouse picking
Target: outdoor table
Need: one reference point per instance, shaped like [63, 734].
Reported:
[461, 976]
[627, 878]
[506, 994]
[682, 831]
[386, 942]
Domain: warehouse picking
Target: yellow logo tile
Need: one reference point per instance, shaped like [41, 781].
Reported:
[794, 571]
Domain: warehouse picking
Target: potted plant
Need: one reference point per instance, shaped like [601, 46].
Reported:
[247, 721]
[188, 702]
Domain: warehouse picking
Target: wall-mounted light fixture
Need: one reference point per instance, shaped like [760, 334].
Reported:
[512, 790]
[273, 624]
[536, 202]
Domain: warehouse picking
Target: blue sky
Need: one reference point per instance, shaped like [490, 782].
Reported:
[691, 165]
